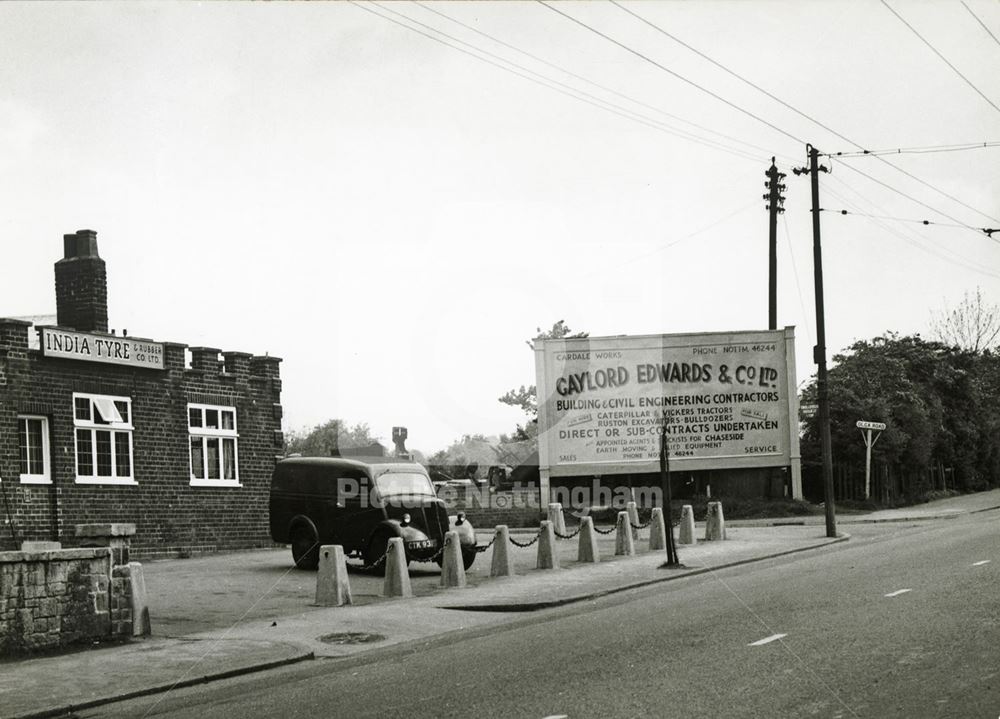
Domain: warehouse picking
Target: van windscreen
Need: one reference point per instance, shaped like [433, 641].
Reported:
[396, 483]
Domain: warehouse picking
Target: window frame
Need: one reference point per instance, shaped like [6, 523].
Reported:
[204, 434]
[46, 476]
[93, 427]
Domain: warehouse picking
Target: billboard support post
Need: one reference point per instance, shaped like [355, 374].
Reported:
[672, 559]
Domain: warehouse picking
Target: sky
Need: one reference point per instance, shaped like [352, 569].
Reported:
[392, 197]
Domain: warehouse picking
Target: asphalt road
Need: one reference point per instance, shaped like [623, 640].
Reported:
[902, 621]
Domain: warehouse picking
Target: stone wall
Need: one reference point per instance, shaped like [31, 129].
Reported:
[54, 598]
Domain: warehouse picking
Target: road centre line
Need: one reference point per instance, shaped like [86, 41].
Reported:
[981, 563]
[897, 592]
[766, 640]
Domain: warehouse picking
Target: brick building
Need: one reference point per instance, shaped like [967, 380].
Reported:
[101, 427]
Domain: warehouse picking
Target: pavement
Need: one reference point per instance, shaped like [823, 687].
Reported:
[224, 615]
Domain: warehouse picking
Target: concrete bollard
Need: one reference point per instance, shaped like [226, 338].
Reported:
[715, 522]
[633, 517]
[333, 588]
[397, 576]
[624, 544]
[452, 569]
[547, 557]
[657, 530]
[503, 562]
[686, 531]
[555, 515]
[587, 550]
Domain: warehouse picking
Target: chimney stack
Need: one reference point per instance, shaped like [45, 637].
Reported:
[81, 284]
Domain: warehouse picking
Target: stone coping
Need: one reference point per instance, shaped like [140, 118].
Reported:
[55, 555]
[106, 529]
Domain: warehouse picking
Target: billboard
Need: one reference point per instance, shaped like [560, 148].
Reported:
[727, 400]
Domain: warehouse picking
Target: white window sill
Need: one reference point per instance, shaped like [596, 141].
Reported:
[35, 479]
[215, 483]
[106, 480]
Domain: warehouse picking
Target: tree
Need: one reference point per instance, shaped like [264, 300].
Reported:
[322, 439]
[973, 325]
[524, 397]
[939, 403]
[467, 457]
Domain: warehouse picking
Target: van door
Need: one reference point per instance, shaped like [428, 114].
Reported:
[358, 514]
[325, 504]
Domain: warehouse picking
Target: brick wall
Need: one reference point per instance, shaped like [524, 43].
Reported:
[171, 516]
[517, 508]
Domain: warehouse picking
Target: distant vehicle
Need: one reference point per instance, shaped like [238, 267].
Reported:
[360, 503]
[504, 478]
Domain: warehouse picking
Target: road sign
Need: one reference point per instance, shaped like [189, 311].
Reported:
[869, 443]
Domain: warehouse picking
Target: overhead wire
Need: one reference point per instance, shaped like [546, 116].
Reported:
[919, 242]
[590, 82]
[987, 231]
[794, 109]
[667, 70]
[798, 285]
[603, 269]
[574, 93]
[927, 150]
[890, 217]
[942, 57]
[905, 233]
[988, 31]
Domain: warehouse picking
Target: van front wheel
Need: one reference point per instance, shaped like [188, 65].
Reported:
[305, 548]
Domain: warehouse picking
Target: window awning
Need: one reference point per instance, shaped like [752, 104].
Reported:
[106, 408]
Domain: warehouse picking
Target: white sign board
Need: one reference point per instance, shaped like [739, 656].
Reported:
[91, 347]
[728, 400]
[860, 424]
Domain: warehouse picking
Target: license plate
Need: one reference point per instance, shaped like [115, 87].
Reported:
[422, 544]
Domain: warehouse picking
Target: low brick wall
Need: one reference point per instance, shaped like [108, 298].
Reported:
[517, 508]
[53, 598]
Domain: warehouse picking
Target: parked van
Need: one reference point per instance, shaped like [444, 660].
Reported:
[360, 503]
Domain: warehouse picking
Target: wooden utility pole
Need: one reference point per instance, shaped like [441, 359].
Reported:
[775, 206]
[819, 351]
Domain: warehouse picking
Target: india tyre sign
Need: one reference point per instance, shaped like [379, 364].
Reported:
[726, 400]
[93, 347]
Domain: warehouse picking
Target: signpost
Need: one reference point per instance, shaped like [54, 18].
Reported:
[866, 432]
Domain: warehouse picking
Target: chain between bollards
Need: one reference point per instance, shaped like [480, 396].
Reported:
[480, 548]
[436, 556]
[568, 536]
[377, 563]
[525, 545]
